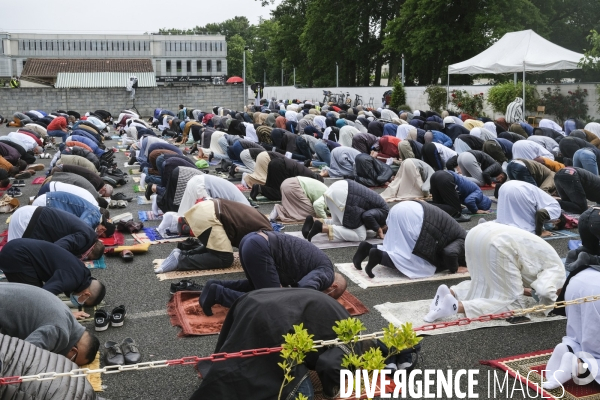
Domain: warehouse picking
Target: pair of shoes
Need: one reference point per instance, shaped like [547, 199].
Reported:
[117, 204]
[185, 285]
[45, 155]
[18, 183]
[14, 192]
[120, 196]
[125, 353]
[23, 175]
[149, 191]
[36, 167]
[129, 226]
[115, 172]
[102, 318]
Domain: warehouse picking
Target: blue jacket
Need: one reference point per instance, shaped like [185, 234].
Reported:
[442, 138]
[390, 130]
[470, 194]
[528, 128]
[91, 143]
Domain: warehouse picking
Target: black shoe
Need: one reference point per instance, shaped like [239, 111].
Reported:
[307, 163]
[115, 172]
[149, 191]
[462, 218]
[109, 180]
[113, 355]
[361, 253]
[185, 285]
[188, 244]
[308, 224]
[120, 196]
[107, 155]
[101, 320]
[130, 351]
[132, 159]
[117, 316]
[315, 230]
[211, 156]
[255, 191]
[232, 171]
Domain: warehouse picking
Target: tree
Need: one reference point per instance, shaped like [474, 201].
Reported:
[398, 95]
[235, 57]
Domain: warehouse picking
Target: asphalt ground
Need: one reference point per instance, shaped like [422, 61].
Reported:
[135, 285]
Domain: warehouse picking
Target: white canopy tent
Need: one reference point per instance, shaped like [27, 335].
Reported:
[518, 52]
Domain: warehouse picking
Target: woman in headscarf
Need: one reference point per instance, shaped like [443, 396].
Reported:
[270, 121]
[259, 176]
[390, 129]
[402, 131]
[473, 123]
[346, 135]
[287, 142]
[280, 122]
[548, 123]
[170, 196]
[490, 126]
[421, 240]
[278, 171]
[483, 134]
[411, 182]
[517, 128]
[342, 162]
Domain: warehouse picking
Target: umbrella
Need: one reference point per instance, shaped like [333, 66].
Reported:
[235, 79]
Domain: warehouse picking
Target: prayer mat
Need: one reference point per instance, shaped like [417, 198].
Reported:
[133, 171]
[96, 264]
[491, 211]
[94, 379]
[152, 236]
[562, 234]
[527, 368]
[116, 239]
[574, 244]
[136, 179]
[487, 187]
[141, 200]
[242, 187]
[264, 200]
[38, 181]
[186, 313]
[149, 216]
[4, 239]
[138, 189]
[290, 223]
[322, 241]
[115, 137]
[235, 267]
[385, 276]
[414, 311]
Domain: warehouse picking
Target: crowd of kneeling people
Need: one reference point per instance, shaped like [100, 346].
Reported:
[434, 167]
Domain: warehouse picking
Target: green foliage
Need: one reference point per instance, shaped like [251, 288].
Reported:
[436, 97]
[398, 94]
[301, 397]
[467, 103]
[405, 107]
[572, 105]
[293, 352]
[348, 329]
[501, 95]
[235, 59]
[591, 57]
[399, 338]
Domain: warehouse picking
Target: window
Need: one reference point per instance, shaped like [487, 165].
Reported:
[188, 66]
[209, 66]
[178, 65]
[221, 46]
[24, 61]
[169, 66]
[210, 46]
[205, 46]
[218, 65]
[199, 66]
[170, 44]
[186, 46]
[196, 46]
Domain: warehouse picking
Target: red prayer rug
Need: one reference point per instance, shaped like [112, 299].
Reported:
[519, 366]
[117, 239]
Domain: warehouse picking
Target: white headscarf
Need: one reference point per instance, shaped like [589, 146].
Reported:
[490, 126]
[291, 116]
[548, 123]
[403, 131]
[448, 120]
[593, 127]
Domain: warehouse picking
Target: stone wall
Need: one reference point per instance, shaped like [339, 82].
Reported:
[114, 100]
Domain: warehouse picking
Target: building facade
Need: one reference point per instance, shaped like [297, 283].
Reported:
[175, 58]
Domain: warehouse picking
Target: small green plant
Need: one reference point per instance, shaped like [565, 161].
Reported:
[405, 107]
[501, 95]
[398, 94]
[436, 97]
[301, 397]
[293, 351]
[467, 103]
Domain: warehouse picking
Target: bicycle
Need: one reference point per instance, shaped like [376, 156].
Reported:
[348, 99]
[358, 100]
[327, 96]
[340, 98]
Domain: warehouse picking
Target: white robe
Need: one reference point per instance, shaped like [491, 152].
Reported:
[529, 150]
[346, 134]
[519, 201]
[548, 123]
[583, 320]
[404, 227]
[503, 261]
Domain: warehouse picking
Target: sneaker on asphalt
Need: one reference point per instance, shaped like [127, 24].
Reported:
[185, 285]
[117, 316]
[101, 320]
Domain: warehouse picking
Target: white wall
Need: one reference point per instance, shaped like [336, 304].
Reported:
[415, 95]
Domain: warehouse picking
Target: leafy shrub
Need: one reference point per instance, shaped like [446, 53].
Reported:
[572, 105]
[405, 107]
[467, 103]
[398, 95]
[436, 97]
[501, 95]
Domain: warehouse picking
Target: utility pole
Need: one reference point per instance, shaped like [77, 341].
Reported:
[403, 69]
[337, 75]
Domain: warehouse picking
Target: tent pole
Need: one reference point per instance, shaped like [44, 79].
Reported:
[523, 90]
[448, 89]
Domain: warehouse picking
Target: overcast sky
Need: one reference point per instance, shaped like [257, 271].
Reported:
[121, 16]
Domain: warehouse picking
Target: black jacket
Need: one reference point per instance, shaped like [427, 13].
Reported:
[58, 270]
[473, 142]
[364, 207]
[81, 152]
[279, 170]
[370, 171]
[61, 228]
[299, 262]
[549, 132]
[489, 167]
[442, 240]
[455, 130]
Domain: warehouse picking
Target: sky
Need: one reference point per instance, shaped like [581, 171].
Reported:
[123, 16]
